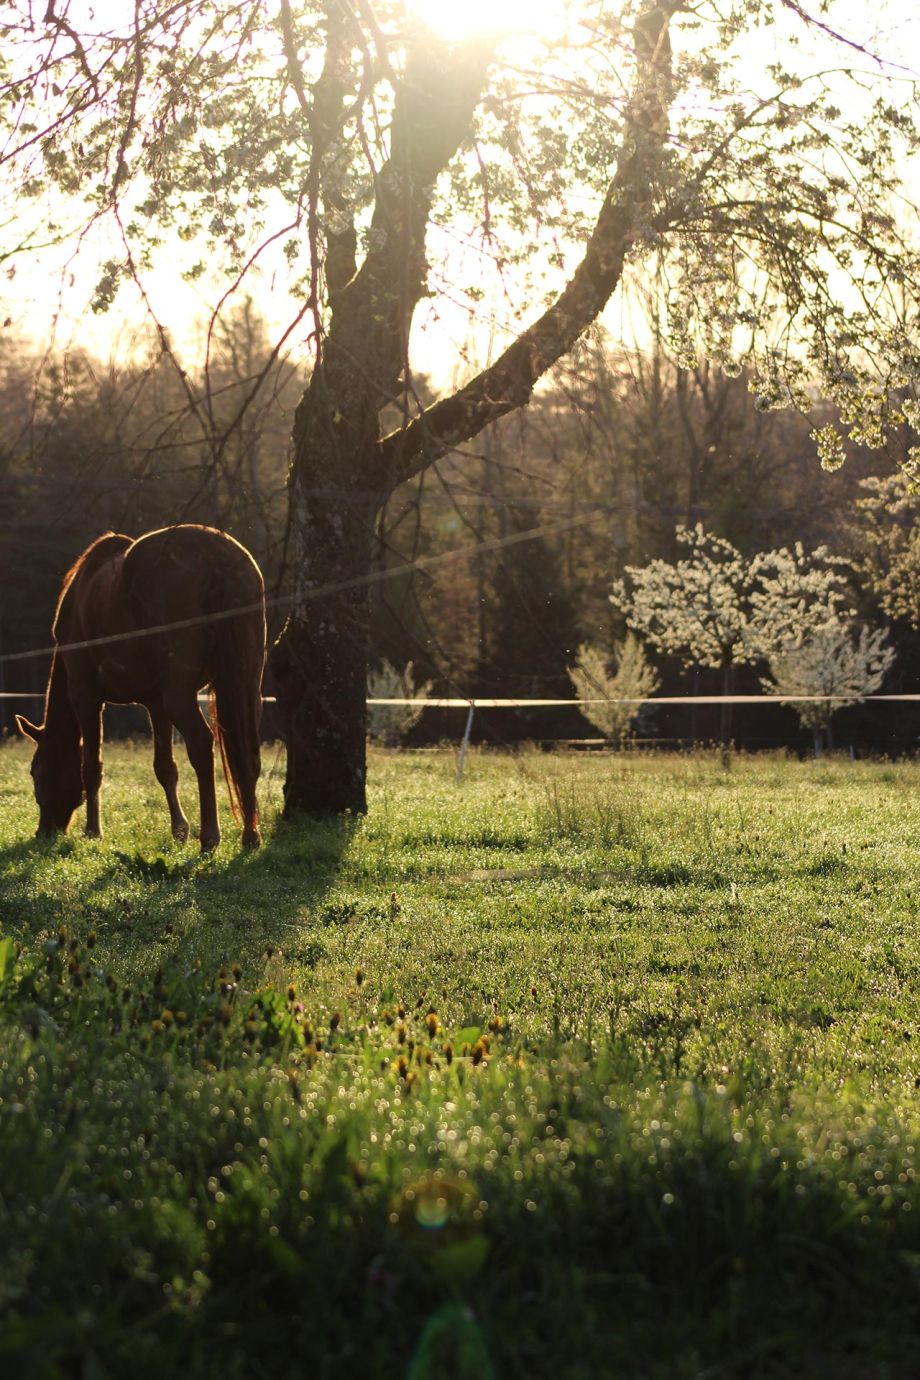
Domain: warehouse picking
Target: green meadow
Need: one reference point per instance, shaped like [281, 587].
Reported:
[585, 1066]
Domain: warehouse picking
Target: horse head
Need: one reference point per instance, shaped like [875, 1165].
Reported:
[58, 776]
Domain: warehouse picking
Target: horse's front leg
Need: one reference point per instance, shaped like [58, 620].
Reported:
[90, 718]
[167, 773]
[199, 744]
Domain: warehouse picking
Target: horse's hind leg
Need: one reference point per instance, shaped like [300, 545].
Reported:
[90, 718]
[167, 773]
[199, 744]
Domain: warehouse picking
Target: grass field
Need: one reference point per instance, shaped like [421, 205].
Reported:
[585, 1067]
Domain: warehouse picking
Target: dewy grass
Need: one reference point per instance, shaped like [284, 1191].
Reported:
[597, 1067]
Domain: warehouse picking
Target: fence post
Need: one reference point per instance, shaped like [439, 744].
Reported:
[465, 742]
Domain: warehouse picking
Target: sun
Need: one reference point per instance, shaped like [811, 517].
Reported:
[460, 19]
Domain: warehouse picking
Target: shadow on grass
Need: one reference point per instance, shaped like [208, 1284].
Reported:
[176, 905]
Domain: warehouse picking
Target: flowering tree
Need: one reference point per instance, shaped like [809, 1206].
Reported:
[790, 608]
[890, 538]
[697, 608]
[829, 661]
[620, 693]
[793, 594]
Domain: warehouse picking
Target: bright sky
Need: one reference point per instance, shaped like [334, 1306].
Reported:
[47, 298]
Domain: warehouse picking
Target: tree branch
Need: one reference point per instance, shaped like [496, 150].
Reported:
[508, 383]
[365, 349]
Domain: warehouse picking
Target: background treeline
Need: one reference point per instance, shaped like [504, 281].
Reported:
[597, 474]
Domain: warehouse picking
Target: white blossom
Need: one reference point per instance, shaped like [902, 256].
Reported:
[696, 608]
[794, 594]
[829, 661]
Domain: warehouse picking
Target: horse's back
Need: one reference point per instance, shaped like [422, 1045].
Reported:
[188, 578]
[190, 565]
[182, 581]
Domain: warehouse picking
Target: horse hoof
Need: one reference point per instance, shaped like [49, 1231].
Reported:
[180, 833]
[252, 841]
[208, 845]
[92, 833]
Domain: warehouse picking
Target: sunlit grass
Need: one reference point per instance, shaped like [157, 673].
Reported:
[580, 1067]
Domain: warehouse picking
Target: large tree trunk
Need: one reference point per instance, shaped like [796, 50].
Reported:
[320, 665]
[343, 469]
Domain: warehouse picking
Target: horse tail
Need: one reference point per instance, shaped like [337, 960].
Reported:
[237, 663]
[233, 790]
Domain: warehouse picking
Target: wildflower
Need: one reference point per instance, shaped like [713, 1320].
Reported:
[431, 1022]
[291, 992]
[166, 1017]
[449, 1053]
[237, 971]
[359, 977]
[334, 1021]
[401, 1034]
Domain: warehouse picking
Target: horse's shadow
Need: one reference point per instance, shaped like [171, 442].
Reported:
[165, 909]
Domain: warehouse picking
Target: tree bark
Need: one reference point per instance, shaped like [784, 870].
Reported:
[342, 469]
[320, 662]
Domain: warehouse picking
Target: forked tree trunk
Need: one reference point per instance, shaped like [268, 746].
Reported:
[343, 467]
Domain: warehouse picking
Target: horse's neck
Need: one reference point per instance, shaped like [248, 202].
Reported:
[60, 719]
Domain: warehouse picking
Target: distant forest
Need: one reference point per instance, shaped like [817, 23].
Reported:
[611, 456]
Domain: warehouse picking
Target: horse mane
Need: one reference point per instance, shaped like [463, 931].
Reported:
[109, 544]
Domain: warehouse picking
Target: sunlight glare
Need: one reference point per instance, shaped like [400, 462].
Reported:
[462, 19]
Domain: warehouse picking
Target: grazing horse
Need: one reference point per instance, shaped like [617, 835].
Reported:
[149, 622]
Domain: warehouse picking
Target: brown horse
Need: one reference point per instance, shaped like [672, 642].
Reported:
[180, 582]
